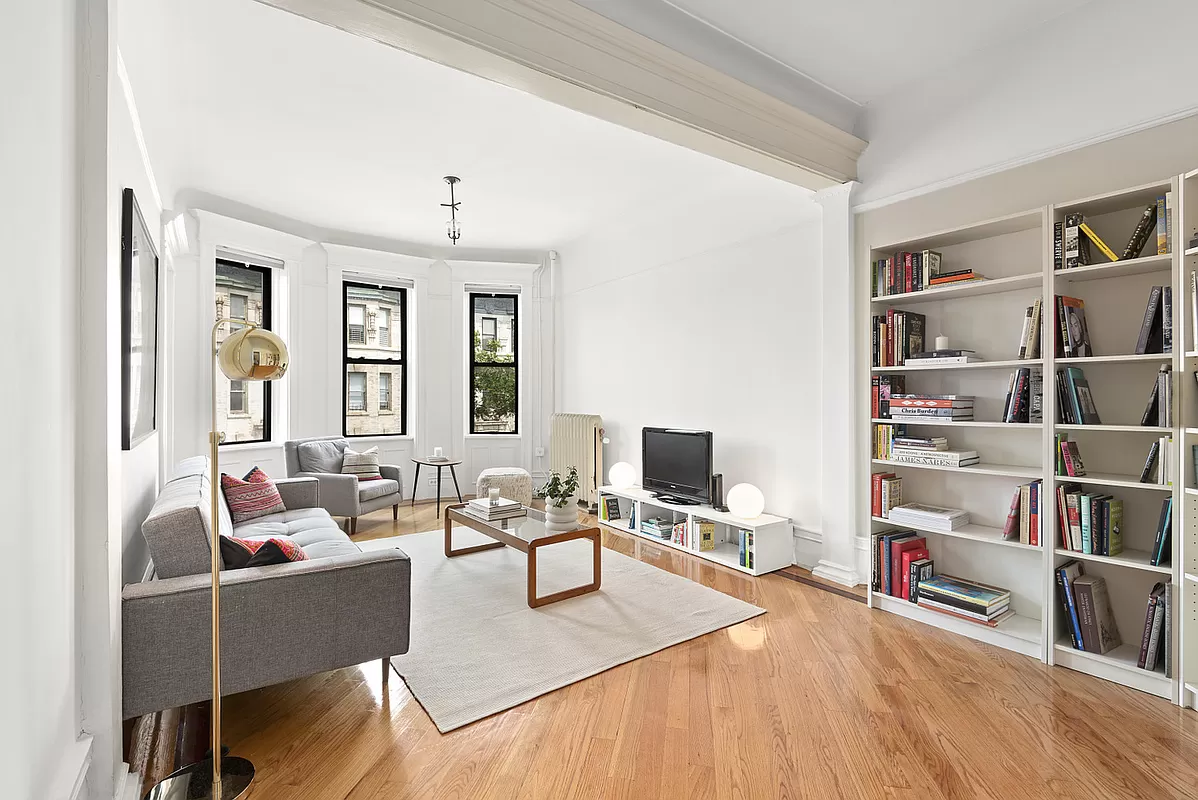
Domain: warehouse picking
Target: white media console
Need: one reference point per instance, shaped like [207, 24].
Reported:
[773, 542]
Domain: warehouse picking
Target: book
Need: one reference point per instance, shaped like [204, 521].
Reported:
[1139, 237]
[1085, 508]
[952, 353]
[1114, 527]
[1058, 244]
[905, 401]
[932, 517]
[1167, 319]
[1161, 545]
[975, 593]
[875, 571]
[705, 534]
[1149, 340]
[1066, 574]
[1169, 210]
[611, 508]
[1194, 305]
[921, 569]
[1100, 634]
[1010, 529]
[1150, 415]
[1077, 343]
[1077, 247]
[1074, 468]
[1096, 239]
[1084, 410]
[1025, 334]
[909, 557]
[885, 554]
[897, 549]
[1164, 395]
[1033, 537]
[1162, 222]
[1149, 618]
[1025, 510]
[931, 261]
[993, 623]
[927, 601]
[1154, 633]
[1167, 631]
[1035, 411]
[917, 362]
[1073, 508]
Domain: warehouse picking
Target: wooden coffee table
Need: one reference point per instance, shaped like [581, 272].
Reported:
[526, 534]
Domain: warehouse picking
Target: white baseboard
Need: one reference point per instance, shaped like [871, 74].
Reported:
[808, 547]
[843, 574]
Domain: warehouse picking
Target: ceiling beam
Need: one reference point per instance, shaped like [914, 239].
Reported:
[569, 55]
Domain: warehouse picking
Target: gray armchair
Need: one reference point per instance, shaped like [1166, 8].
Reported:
[342, 495]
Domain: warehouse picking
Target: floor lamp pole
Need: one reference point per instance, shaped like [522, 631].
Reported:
[215, 488]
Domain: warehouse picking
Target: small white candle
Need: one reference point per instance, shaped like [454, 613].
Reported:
[941, 342]
[436, 452]
[493, 495]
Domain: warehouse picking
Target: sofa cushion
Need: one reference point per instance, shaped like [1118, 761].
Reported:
[365, 465]
[256, 496]
[311, 528]
[236, 553]
[369, 490]
[323, 455]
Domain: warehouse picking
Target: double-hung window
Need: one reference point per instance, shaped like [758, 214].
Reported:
[375, 366]
[494, 363]
[243, 292]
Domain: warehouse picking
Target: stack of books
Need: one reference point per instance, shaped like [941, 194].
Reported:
[1156, 642]
[1159, 411]
[746, 549]
[958, 356]
[1086, 604]
[958, 276]
[1156, 331]
[505, 509]
[1072, 237]
[968, 600]
[931, 407]
[1074, 338]
[658, 527]
[905, 272]
[1024, 401]
[896, 335]
[900, 559]
[1158, 467]
[1075, 403]
[932, 452]
[886, 492]
[933, 517]
[885, 437]
[1089, 522]
[883, 386]
[1162, 549]
[1029, 338]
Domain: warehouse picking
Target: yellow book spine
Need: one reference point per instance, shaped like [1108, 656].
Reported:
[1106, 251]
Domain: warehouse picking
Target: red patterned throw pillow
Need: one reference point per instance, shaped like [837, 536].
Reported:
[256, 496]
[241, 553]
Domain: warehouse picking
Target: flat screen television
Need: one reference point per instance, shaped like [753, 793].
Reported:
[676, 464]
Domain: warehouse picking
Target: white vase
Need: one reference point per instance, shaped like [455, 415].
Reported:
[561, 519]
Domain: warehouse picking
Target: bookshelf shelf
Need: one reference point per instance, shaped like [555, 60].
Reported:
[1124, 359]
[1135, 559]
[1115, 428]
[1010, 364]
[1018, 633]
[1119, 666]
[967, 289]
[1002, 470]
[1110, 479]
[1116, 269]
[972, 533]
[1114, 295]
[967, 424]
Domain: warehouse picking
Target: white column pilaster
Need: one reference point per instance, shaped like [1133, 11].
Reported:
[840, 453]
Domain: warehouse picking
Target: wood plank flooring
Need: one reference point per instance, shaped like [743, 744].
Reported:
[819, 698]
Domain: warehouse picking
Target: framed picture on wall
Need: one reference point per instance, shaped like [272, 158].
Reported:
[139, 325]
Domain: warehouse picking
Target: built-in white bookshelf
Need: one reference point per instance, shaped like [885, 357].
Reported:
[1015, 253]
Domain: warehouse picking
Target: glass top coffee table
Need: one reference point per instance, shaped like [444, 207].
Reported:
[526, 534]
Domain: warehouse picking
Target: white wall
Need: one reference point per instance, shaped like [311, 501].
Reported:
[1103, 71]
[39, 216]
[139, 466]
[706, 317]
[308, 314]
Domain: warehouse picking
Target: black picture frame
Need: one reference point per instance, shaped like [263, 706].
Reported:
[139, 326]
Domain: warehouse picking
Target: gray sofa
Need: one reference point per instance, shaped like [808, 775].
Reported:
[320, 457]
[339, 608]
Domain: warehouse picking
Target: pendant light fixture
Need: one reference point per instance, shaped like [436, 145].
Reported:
[452, 229]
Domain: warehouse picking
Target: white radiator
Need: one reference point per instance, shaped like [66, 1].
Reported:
[576, 440]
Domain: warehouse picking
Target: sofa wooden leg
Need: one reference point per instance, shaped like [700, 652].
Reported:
[353, 526]
[386, 670]
[395, 512]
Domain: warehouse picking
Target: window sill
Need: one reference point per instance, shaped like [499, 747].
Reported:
[389, 436]
[235, 446]
[494, 436]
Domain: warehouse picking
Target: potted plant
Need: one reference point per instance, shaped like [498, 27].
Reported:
[560, 514]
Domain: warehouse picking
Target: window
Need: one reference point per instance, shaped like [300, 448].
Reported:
[236, 397]
[494, 365]
[490, 328]
[384, 391]
[355, 324]
[243, 407]
[375, 372]
[384, 323]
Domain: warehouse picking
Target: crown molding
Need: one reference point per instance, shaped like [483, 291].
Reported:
[569, 55]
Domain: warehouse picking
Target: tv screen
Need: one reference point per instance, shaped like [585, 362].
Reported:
[677, 462]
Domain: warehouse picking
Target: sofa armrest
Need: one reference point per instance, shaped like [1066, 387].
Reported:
[277, 623]
[393, 473]
[299, 492]
[338, 493]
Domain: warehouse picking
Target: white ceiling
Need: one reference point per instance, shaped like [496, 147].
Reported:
[274, 112]
[862, 49]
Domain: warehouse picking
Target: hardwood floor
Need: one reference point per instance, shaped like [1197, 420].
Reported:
[819, 698]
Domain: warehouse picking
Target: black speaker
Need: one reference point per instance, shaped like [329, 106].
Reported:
[717, 492]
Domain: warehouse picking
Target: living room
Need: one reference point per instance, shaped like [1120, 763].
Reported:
[451, 261]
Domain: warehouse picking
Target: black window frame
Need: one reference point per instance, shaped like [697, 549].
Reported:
[267, 308]
[400, 364]
[514, 364]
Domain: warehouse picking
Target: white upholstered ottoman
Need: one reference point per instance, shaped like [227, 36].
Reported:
[512, 482]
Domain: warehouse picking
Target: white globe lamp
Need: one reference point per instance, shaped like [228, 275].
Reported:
[622, 475]
[746, 501]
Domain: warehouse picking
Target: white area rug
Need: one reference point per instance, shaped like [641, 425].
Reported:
[477, 648]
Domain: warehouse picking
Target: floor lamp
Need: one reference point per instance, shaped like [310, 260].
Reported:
[248, 354]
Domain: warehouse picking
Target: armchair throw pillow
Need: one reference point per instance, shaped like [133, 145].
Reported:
[364, 465]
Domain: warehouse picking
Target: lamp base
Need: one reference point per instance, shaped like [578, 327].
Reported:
[194, 782]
